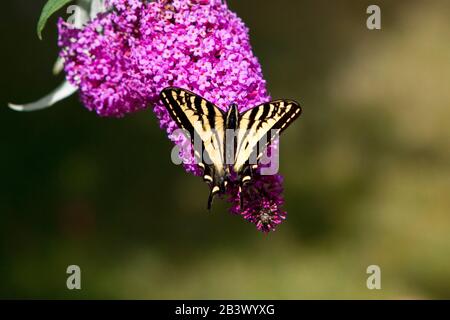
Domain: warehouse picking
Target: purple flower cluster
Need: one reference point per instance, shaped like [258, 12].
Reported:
[263, 201]
[122, 59]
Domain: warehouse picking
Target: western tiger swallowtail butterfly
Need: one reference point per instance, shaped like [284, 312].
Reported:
[200, 118]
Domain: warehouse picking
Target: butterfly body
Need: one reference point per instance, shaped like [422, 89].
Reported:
[223, 175]
[228, 139]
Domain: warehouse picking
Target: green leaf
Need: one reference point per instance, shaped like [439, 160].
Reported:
[50, 8]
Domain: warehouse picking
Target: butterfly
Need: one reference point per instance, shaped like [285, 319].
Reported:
[225, 153]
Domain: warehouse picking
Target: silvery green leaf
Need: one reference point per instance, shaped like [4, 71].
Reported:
[63, 91]
[58, 66]
[49, 9]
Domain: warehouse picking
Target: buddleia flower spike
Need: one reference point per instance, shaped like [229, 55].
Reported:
[122, 59]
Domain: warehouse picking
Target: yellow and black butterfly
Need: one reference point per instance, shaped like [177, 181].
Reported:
[224, 153]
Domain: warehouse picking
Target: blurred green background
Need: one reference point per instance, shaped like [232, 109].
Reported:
[367, 169]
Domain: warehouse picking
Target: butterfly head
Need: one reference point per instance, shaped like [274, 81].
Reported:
[219, 187]
[223, 183]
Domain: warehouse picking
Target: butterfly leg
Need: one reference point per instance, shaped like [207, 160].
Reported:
[214, 184]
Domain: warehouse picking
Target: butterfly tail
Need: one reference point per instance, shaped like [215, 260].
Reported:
[214, 190]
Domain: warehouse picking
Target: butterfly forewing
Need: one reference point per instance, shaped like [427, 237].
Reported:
[255, 126]
[201, 119]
